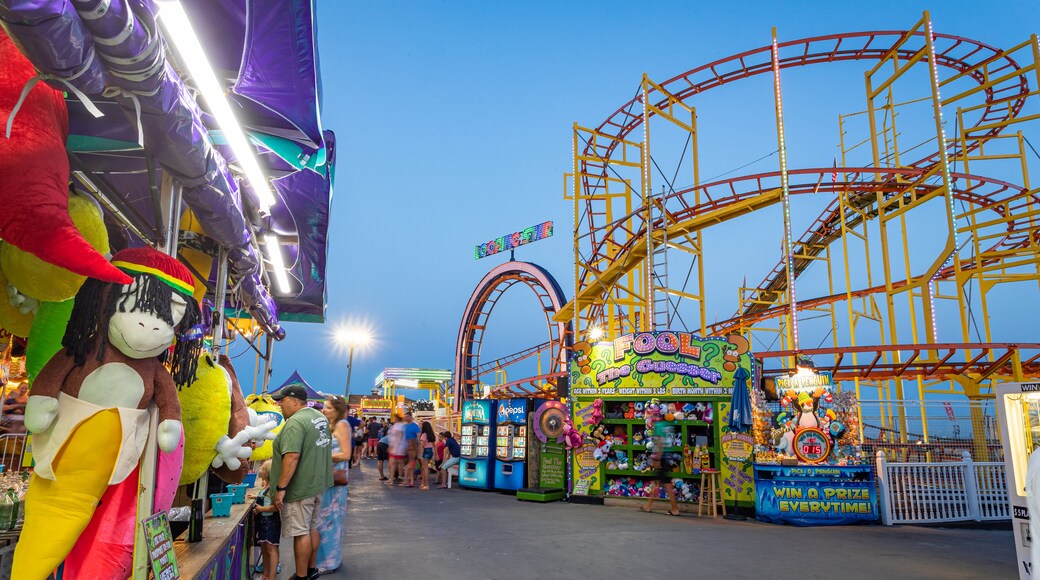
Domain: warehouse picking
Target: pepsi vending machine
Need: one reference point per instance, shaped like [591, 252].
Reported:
[478, 443]
[511, 444]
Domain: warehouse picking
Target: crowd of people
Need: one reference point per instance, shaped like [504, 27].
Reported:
[304, 486]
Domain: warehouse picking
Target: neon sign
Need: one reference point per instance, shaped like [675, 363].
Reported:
[513, 240]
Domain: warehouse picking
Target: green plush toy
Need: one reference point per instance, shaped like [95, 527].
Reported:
[205, 412]
[45, 335]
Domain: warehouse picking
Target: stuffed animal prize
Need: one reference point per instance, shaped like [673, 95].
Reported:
[88, 408]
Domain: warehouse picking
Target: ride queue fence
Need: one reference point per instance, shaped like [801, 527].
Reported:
[929, 493]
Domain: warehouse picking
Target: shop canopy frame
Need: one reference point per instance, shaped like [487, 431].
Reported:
[155, 141]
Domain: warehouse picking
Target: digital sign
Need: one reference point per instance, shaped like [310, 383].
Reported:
[513, 240]
[812, 445]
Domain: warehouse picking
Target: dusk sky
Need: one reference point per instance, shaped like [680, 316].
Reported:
[453, 123]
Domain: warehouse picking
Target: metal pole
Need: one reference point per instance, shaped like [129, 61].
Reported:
[267, 363]
[171, 196]
[218, 302]
[350, 365]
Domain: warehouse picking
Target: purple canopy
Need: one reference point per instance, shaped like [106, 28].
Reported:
[110, 54]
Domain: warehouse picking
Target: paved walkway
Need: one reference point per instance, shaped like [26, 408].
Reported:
[462, 534]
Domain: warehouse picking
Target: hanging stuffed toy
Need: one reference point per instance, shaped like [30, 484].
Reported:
[245, 427]
[264, 409]
[88, 408]
[34, 172]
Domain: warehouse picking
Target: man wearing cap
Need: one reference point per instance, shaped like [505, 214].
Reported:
[301, 467]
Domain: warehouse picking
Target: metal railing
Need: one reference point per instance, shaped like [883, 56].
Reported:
[12, 450]
[925, 493]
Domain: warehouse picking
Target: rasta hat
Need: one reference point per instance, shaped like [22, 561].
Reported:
[804, 398]
[156, 278]
[166, 268]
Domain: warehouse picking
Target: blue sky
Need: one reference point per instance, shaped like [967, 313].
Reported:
[454, 127]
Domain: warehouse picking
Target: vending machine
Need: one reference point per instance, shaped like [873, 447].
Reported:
[511, 441]
[478, 443]
[1018, 411]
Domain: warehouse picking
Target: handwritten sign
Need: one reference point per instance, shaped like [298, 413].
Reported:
[160, 547]
[552, 466]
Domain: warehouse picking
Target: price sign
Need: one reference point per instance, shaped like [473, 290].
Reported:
[160, 547]
[812, 445]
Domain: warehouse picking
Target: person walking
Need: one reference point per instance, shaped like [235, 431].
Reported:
[438, 453]
[398, 448]
[411, 439]
[383, 456]
[372, 430]
[662, 433]
[452, 453]
[301, 468]
[426, 442]
[334, 501]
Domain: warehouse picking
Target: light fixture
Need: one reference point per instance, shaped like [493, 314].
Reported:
[182, 36]
[274, 251]
[595, 333]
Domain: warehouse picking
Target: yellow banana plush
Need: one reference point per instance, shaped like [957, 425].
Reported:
[57, 511]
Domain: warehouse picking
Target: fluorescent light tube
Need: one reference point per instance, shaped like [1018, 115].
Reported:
[274, 251]
[184, 40]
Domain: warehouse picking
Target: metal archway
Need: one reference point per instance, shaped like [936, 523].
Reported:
[478, 309]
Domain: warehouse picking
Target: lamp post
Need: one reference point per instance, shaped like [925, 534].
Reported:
[351, 338]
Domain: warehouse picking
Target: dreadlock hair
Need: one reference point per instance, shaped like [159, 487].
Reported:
[97, 301]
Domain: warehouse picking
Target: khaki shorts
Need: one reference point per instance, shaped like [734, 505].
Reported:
[300, 517]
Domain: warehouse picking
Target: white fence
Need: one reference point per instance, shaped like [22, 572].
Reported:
[12, 451]
[924, 493]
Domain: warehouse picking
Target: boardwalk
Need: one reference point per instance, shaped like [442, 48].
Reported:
[460, 534]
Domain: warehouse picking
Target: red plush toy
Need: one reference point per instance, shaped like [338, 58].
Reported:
[34, 173]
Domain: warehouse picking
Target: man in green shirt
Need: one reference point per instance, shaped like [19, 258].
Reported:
[302, 467]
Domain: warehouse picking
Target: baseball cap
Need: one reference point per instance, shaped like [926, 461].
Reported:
[295, 391]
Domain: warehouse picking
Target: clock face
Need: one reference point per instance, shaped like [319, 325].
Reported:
[812, 445]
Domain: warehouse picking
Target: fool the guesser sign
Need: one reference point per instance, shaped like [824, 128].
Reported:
[662, 363]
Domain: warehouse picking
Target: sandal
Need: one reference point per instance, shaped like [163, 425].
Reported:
[424, 487]
[644, 509]
[671, 513]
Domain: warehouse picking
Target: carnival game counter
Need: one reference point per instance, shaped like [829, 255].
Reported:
[806, 495]
[223, 553]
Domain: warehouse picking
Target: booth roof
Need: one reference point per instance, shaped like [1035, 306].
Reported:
[296, 379]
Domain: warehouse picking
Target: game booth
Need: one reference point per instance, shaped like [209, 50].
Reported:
[809, 468]
[163, 162]
[685, 379]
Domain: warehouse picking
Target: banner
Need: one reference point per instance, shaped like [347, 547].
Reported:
[585, 467]
[658, 364]
[738, 486]
[814, 496]
[227, 562]
[376, 406]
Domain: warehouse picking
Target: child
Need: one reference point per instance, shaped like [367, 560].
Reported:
[268, 523]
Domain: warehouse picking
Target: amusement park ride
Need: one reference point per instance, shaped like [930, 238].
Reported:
[967, 180]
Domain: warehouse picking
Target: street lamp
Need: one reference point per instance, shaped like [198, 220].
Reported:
[351, 338]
